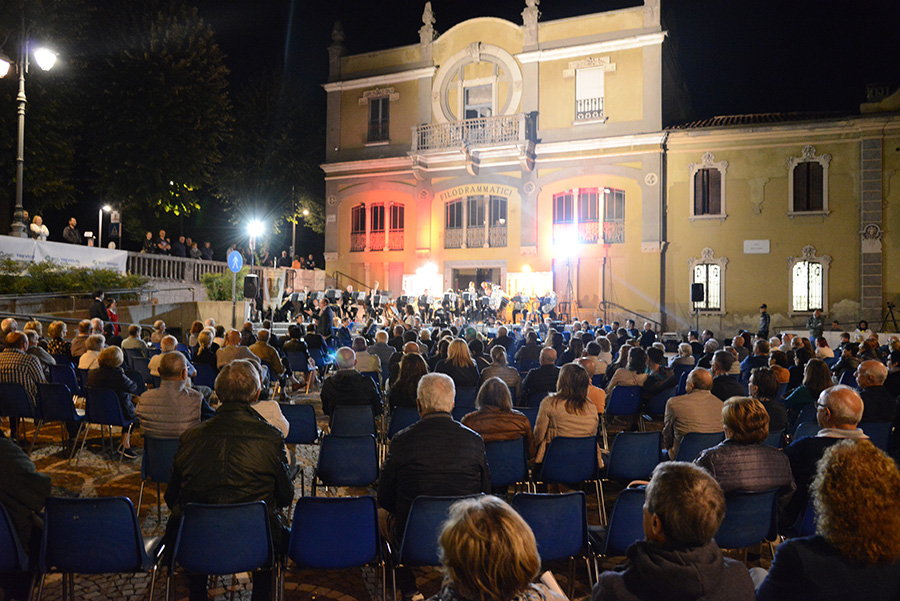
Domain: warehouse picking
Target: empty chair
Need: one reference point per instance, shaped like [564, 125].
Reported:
[657, 405]
[849, 379]
[94, 536]
[879, 433]
[353, 420]
[527, 365]
[807, 414]
[336, 533]
[626, 525]
[65, 374]
[572, 461]
[204, 528]
[142, 366]
[401, 417]
[62, 359]
[633, 457]
[559, 523]
[465, 396]
[749, 519]
[14, 403]
[205, 376]
[806, 429]
[55, 405]
[534, 398]
[303, 430]
[625, 401]
[695, 443]
[322, 360]
[775, 439]
[682, 381]
[598, 380]
[507, 461]
[346, 461]
[156, 466]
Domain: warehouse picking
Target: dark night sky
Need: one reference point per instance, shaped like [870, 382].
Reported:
[735, 57]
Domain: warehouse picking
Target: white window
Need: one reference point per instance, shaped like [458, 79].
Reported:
[808, 183]
[379, 119]
[808, 281]
[709, 271]
[708, 188]
[589, 94]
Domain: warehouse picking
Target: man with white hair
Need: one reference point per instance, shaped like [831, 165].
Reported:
[78, 343]
[838, 411]
[381, 348]
[167, 411]
[348, 386]
[436, 456]
[880, 405]
[697, 411]
[159, 330]
[7, 326]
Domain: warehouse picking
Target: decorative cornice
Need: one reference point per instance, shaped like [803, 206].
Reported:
[379, 80]
[638, 41]
[546, 148]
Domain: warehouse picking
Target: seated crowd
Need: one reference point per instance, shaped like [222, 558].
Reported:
[745, 391]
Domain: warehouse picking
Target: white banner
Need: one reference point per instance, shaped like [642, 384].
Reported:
[27, 250]
[273, 288]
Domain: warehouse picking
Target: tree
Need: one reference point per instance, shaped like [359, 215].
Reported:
[161, 109]
[271, 165]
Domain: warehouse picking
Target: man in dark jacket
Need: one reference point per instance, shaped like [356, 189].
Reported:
[684, 508]
[880, 405]
[725, 385]
[235, 457]
[436, 456]
[543, 378]
[325, 321]
[98, 307]
[348, 386]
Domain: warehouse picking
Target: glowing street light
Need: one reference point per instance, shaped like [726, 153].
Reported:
[45, 59]
[255, 229]
[103, 209]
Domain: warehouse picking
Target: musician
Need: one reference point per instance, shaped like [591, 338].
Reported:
[347, 307]
[410, 318]
[425, 310]
[325, 321]
[519, 306]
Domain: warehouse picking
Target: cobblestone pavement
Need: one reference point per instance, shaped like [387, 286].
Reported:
[96, 475]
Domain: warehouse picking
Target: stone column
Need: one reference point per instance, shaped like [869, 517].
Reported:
[871, 285]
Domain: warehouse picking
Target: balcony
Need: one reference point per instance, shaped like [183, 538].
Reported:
[484, 131]
[395, 240]
[475, 236]
[588, 109]
[357, 242]
[376, 240]
[453, 237]
[613, 231]
[497, 236]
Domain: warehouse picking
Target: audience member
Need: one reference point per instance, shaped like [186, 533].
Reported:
[764, 388]
[567, 412]
[816, 378]
[159, 330]
[403, 391]
[542, 379]
[634, 373]
[596, 395]
[499, 369]
[879, 404]
[33, 349]
[854, 553]
[167, 411]
[77, 349]
[109, 374]
[494, 418]
[93, 345]
[57, 343]
[678, 559]
[435, 456]
[365, 361]
[134, 342]
[256, 468]
[725, 385]
[697, 411]
[530, 351]
[347, 386]
[459, 365]
[18, 367]
[233, 350]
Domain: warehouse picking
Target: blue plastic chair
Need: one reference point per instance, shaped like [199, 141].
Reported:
[624, 401]
[63, 359]
[12, 556]
[848, 379]
[353, 420]
[657, 405]
[571, 461]
[527, 365]
[401, 418]
[322, 359]
[507, 461]
[749, 519]
[54, 404]
[94, 536]
[184, 350]
[626, 525]
[156, 465]
[529, 412]
[460, 411]
[806, 429]
[695, 443]
[806, 522]
[633, 456]
[299, 362]
[375, 376]
[65, 374]
[304, 429]
[142, 366]
[336, 533]
[534, 398]
[204, 528]
[780, 393]
[682, 382]
[465, 396]
[102, 408]
[598, 380]
[346, 461]
[807, 414]
[775, 439]
[879, 433]
[15, 403]
[559, 523]
[830, 361]
[206, 375]
[138, 380]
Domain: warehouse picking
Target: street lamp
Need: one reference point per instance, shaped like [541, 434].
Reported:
[103, 209]
[294, 234]
[255, 229]
[45, 59]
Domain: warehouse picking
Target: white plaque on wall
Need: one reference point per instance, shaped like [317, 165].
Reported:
[756, 247]
[330, 218]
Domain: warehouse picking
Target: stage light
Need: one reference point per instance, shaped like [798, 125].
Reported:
[566, 246]
[526, 268]
[256, 228]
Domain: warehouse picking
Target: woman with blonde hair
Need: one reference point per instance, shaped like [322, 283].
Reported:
[567, 412]
[94, 344]
[57, 344]
[489, 554]
[459, 365]
[855, 553]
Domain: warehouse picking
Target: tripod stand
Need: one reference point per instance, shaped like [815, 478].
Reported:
[890, 313]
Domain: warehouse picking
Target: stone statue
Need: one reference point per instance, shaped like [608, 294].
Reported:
[335, 52]
[426, 32]
[530, 17]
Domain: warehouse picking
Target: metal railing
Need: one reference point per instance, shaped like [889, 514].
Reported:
[614, 231]
[482, 131]
[605, 303]
[453, 237]
[475, 236]
[497, 236]
[395, 240]
[588, 109]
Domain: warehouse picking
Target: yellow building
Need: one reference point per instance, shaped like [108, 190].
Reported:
[533, 155]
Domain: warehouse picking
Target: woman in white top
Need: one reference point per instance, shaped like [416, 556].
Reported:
[39, 231]
[94, 344]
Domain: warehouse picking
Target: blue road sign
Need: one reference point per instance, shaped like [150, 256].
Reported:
[235, 261]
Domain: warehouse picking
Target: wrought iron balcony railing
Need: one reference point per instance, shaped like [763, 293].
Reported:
[483, 131]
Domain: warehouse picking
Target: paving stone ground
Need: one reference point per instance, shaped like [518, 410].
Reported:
[97, 475]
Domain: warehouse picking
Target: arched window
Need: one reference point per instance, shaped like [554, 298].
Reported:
[708, 188]
[808, 281]
[709, 271]
[808, 183]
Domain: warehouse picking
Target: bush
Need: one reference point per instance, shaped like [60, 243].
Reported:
[218, 285]
[48, 276]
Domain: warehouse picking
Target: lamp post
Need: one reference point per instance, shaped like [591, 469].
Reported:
[294, 234]
[45, 59]
[103, 209]
[255, 229]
